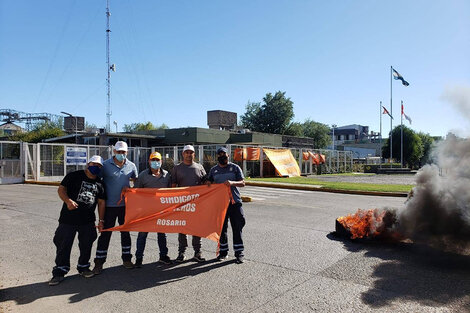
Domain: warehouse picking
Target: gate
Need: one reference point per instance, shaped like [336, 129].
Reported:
[11, 168]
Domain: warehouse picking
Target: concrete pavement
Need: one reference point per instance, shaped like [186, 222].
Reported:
[294, 264]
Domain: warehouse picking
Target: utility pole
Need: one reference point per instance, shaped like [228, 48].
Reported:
[333, 126]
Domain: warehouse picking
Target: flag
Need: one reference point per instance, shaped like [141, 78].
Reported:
[406, 116]
[197, 210]
[397, 76]
[386, 112]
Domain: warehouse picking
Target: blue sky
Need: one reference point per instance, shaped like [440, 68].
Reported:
[177, 59]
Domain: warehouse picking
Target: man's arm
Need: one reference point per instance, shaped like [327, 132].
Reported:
[62, 191]
[134, 175]
[173, 177]
[232, 183]
[240, 180]
[101, 210]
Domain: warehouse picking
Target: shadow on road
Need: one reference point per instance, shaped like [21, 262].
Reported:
[413, 272]
[113, 278]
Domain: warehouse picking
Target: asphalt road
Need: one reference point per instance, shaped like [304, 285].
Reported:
[293, 264]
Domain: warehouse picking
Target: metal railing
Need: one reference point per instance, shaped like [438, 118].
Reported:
[47, 162]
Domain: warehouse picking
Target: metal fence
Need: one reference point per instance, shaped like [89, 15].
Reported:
[336, 161]
[11, 170]
[47, 162]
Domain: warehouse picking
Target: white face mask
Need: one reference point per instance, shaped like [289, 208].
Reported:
[155, 164]
[120, 157]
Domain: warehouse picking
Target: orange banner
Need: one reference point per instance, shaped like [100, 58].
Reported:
[283, 162]
[249, 154]
[306, 155]
[198, 210]
[317, 158]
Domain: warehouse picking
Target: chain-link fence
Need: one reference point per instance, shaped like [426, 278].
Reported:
[51, 162]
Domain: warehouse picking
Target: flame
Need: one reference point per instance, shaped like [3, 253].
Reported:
[364, 223]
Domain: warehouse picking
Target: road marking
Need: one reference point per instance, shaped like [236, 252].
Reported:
[264, 193]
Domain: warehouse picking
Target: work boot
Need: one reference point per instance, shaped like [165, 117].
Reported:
[222, 256]
[180, 258]
[138, 262]
[165, 260]
[198, 257]
[98, 267]
[56, 280]
[240, 259]
[86, 273]
[128, 264]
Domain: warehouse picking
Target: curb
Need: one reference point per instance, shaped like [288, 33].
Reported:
[285, 186]
[321, 189]
[46, 183]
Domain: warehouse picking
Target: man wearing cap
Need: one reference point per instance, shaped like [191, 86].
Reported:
[231, 175]
[81, 191]
[153, 177]
[117, 172]
[188, 173]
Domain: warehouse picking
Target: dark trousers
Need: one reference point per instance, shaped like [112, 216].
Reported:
[63, 240]
[183, 243]
[142, 239]
[110, 216]
[237, 221]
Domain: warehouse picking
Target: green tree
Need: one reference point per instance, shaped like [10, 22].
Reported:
[251, 117]
[142, 127]
[273, 116]
[412, 147]
[318, 131]
[295, 129]
[428, 142]
[40, 132]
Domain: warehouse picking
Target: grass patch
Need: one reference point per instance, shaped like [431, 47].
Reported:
[337, 185]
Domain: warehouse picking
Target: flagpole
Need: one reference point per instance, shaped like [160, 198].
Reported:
[401, 122]
[391, 114]
[380, 113]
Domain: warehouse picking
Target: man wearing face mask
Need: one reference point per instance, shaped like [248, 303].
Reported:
[231, 175]
[188, 173]
[153, 177]
[117, 173]
[81, 191]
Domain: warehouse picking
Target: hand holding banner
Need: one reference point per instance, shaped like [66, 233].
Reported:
[198, 210]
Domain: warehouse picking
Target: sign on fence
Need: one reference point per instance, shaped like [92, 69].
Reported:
[75, 156]
[283, 161]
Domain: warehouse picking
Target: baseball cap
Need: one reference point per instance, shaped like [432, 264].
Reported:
[222, 149]
[155, 155]
[188, 147]
[120, 146]
[96, 159]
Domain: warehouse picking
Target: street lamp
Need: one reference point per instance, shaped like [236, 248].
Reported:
[334, 125]
[76, 125]
[115, 124]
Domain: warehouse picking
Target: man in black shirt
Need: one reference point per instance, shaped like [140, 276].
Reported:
[81, 191]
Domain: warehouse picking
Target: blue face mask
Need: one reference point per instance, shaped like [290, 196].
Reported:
[120, 157]
[94, 169]
[155, 164]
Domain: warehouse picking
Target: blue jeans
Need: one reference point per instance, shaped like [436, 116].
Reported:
[142, 239]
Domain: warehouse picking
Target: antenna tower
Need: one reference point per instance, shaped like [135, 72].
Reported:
[108, 81]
